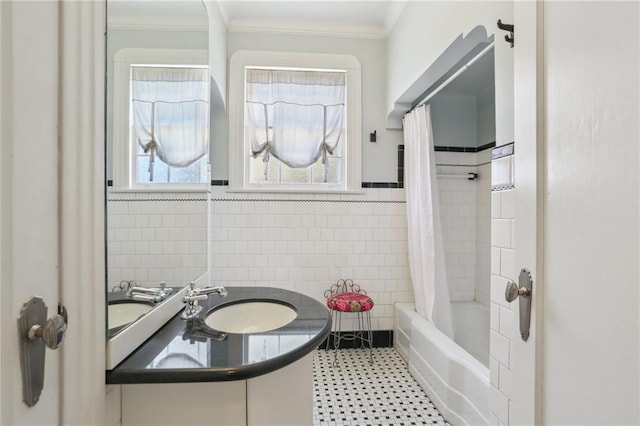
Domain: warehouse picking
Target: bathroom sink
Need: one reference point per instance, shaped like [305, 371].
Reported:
[124, 312]
[250, 317]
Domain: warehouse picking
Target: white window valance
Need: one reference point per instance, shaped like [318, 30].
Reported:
[170, 113]
[298, 116]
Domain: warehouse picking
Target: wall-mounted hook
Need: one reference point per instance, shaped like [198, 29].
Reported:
[507, 27]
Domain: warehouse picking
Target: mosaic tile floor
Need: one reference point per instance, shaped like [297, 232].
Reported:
[356, 393]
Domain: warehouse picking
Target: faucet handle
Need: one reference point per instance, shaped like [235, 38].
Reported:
[194, 298]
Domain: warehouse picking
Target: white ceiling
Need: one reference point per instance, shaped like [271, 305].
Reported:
[146, 14]
[365, 18]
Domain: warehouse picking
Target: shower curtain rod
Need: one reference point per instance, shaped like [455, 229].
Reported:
[453, 77]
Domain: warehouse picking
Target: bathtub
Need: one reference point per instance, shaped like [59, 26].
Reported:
[456, 382]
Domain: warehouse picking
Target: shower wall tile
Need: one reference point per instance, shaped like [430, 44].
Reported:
[483, 230]
[506, 380]
[507, 263]
[501, 233]
[499, 404]
[499, 348]
[494, 372]
[495, 260]
[508, 324]
[465, 212]
[496, 204]
[493, 420]
[508, 204]
[306, 242]
[503, 320]
[495, 317]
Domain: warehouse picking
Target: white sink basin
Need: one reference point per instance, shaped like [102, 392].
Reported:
[250, 317]
[126, 312]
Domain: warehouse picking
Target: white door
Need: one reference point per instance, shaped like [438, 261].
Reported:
[29, 194]
[576, 110]
[51, 214]
[590, 353]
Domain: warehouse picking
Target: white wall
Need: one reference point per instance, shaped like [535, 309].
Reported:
[486, 118]
[425, 29]
[455, 120]
[217, 48]
[218, 130]
[591, 247]
[378, 159]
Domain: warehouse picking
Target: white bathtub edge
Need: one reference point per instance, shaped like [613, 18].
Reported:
[434, 360]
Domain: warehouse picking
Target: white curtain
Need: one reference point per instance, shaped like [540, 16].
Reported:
[426, 251]
[296, 116]
[171, 113]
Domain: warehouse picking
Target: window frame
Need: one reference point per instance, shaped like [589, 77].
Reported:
[124, 154]
[239, 150]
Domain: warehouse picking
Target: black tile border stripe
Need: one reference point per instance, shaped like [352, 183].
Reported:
[285, 200]
[259, 200]
[381, 339]
[486, 146]
[155, 199]
[464, 149]
[387, 185]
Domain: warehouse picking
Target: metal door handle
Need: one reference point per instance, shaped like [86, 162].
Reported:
[513, 291]
[34, 336]
[524, 290]
[53, 331]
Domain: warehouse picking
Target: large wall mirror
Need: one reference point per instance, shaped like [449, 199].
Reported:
[157, 153]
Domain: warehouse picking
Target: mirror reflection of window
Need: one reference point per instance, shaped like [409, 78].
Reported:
[169, 123]
[160, 135]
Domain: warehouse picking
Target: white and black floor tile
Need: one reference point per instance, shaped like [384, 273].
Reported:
[357, 393]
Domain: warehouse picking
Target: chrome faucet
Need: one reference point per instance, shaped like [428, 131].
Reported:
[194, 295]
[149, 294]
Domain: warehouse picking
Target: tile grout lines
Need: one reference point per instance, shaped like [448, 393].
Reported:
[355, 393]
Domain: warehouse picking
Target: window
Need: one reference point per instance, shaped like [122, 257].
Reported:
[294, 122]
[161, 119]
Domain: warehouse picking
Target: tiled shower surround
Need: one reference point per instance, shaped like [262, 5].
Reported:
[465, 212]
[306, 242]
[156, 236]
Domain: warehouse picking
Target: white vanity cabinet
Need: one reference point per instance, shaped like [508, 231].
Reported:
[282, 397]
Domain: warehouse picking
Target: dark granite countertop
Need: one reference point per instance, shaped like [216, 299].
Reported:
[190, 351]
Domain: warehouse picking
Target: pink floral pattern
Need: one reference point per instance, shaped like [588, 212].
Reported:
[350, 302]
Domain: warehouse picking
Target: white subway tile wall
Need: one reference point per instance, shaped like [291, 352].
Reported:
[306, 242]
[503, 329]
[153, 237]
[465, 213]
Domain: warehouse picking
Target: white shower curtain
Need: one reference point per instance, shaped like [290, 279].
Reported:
[426, 251]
